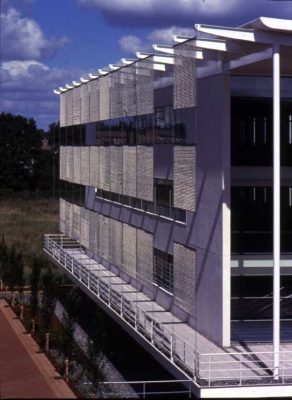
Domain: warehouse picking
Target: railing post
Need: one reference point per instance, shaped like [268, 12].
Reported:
[283, 366]
[136, 317]
[144, 390]
[240, 377]
[151, 330]
[209, 372]
[122, 302]
[184, 353]
[171, 347]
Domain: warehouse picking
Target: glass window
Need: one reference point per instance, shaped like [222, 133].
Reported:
[163, 197]
[164, 124]
[163, 269]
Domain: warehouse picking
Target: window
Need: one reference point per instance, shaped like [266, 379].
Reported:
[164, 124]
[163, 197]
[163, 269]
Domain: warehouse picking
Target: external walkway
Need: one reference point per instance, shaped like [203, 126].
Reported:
[207, 364]
[25, 372]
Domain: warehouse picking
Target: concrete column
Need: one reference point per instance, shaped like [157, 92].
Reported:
[276, 210]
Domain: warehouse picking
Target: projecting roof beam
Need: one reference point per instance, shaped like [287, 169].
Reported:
[83, 80]
[180, 39]
[163, 49]
[114, 67]
[56, 92]
[76, 83]
[163, 60]
[127, 61]
[141, 55]
[69, 86]
[248, 35]
[103, 72]
[62, 89]
[92, 76]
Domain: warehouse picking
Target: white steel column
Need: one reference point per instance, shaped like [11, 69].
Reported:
[276, 210]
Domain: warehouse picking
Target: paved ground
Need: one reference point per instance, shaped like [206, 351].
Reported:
[24, 371]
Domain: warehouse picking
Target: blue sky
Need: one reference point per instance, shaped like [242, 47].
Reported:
[47, 43]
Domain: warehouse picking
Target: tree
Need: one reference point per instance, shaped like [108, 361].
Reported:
[71, 305]
[34, 282]
[3, 259]
[20, 150]
[48, 298]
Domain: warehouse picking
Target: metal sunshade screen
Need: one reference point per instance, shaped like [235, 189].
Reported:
[104, 237]
[84, 218]
[62, 110]
[129, 171]
[76, 222]
[62, 219]
[130, 98]
[116, 242]
[94, 166]
[84, 90]
[85, 165]
[145, 172]
[94, 232]
[62, 162]
[129, 250]
[116, 95]
[145, 87]
[104, 174]
[69, 219]
[184, 85]
[104, 98]
[145, 258]
[116, 169]
[76, 105]
[69, 108]
[94, 101]
[77, 164]
[184, 185]
[70, 162]
[184, 278]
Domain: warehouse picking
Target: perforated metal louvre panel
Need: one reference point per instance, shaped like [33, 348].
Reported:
[84, 89]
[145, 86]
[70, 164]
[85, 165]
[184, 86]
[145, 258]
[77, 164]
[104, 237]
[116, 95]
[94, 100]
[69, 219]
[76, 222]
[116, 169]
[184, 278]
[62, 110]
[76, 105]
[93, 232]
[69, 107]
[104, 174]
[145, 172]
[129, 170]
[84, 218]
[94, 166]
[184, 185]
[129, 250]
[104, 97]
[116, 242]
[62, 162]
[130, 98]
[62, 220]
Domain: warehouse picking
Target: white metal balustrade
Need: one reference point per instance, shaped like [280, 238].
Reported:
[213, 369]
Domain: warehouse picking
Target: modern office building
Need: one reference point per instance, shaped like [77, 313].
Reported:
[170, 194]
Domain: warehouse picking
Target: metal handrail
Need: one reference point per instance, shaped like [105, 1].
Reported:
[204, 368]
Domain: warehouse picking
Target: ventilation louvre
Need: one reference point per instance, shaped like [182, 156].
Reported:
[145, 258]
[129, 250]
[185, 177]
[145, 172]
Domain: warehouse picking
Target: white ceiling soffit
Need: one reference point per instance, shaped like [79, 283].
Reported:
[255, 31]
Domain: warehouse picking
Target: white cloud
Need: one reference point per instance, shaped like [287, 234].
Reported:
[164, 35]
[26, 89]
[165, 12]
[130, 44]
[23, 39]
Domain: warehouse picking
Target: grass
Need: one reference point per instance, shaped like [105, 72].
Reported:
[24, 219]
